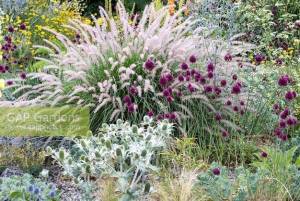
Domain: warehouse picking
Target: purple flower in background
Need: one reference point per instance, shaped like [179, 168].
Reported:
[236, 88]
[184, 66]
[210, 67]
[283, 80]
[127, 100]
[170, 99]
[149, 65]
[234, 77]
[283, 137]
[191, 88]
[181, 78]
[11, 29]
[131, 108]
[210, 74]
[169, 77]
[259, 58]
[193, 59]
[23, 26]
[276, 106]
[23, 75]
[242, 103]
[236, 108]
[218, 116]
[225, 134]
[133, 90]
[228, 102]
[217, 90]
[223, 83]
[228, 57]
[216, 171]
[282, 124]
[163, 81]
[263, 154]
[150, 113]
[290, 95]
[279, 61]
[291, 121]
[284, 113]
[9, 82]
[167, 92]
[208, 89]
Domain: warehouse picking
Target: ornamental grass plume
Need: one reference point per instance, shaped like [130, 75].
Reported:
[124, 70]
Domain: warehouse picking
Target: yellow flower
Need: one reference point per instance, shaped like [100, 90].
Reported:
[2, 84]
[100, 21]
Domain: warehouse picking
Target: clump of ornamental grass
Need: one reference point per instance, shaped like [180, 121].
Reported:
[158, 66]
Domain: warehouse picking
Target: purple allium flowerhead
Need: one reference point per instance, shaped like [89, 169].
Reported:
[6, 68]
[283, 80]
[150, 113]
[179, 94]
[169, 77]
[11, 29]
[193, 59]
[149, 65]
[225, 133]
[208, 89]
[210, 67]
[131, 108]
[180, 78]
[218, 116]
[170, 99]
[234, 77]
[283, 137]
[133, 90]
[163, 81]
[217, 90]
[242, 112]
[187, 78]
[282, 124]
[259, 58]
[160, 117]
[228, 102]
[284, 113]
[2, 68]
[291, 121]
[242, 103]
[127, 100]
[23, 75]
[172, 116]
[8, 39]
[235, 108]
[277, 132]
[236, 88]
[22, 26]
[197, 77]
[216, 171]
[210, 74]
[188, 73]
[167, 116]
[290, 95]
[191, 88]
[223, 83]
[228, 57]
[9, 82]
[264, 154]
[276, 106]
[193, 71]
[184, 66]
[167, 92]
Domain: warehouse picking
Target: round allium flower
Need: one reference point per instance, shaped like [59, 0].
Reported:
[283, 137]
[167, 116]
[228, 102]
[150, 113]
[217, 90]
[284, 113]
[188, 73]
[236, 88]
[278, 132]
[191, 88]
[188, 78]
[290, 95]
[149, 65]
[202, 80]
[172, 116]
[208, 89]
[181, 78]
[184, 66]
[193, 71]
[276, 106]
[283, 80]
[282, 124]
[259, 58]
[210, 67]
[223, 83]
[2, 68]
[9, 82]
[160, 117]
[179, 94]
[228, 57]
[218, 116]
[225, 134]
[11, 29]
[23, 26]
[234, 77]
[242, 103]
[8, 39]
[242, 112]
[216, 171]
[291, 121]
[197, 77]
[210, 74]
[133, 90]
[235, 108]
[23, 75]
[169, 77]
[127, 100]
[167, 92]
[131, 108]
[263, 154]
[163, 81]
[6, 68]
[193, 59]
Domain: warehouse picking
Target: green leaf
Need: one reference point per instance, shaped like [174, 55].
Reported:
[16, 194]
[297, 163]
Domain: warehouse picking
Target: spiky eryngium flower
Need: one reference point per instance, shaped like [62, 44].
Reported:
[108, 60]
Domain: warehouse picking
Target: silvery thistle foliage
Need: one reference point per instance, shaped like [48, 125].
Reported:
[108, 63]
[123, 151]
